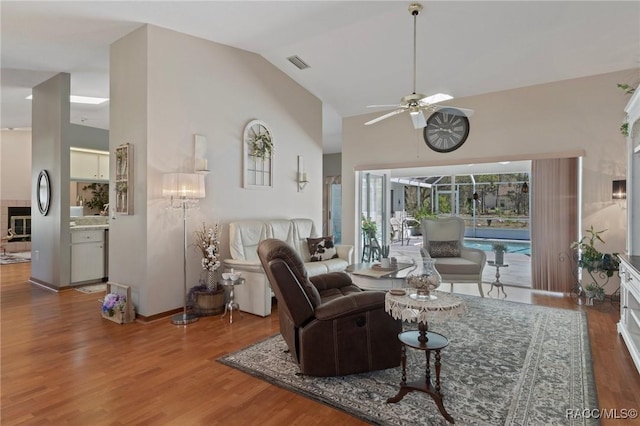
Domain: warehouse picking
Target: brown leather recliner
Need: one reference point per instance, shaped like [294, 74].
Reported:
[331, 326]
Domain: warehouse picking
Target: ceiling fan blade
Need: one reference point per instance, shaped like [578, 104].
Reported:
[452, 110]
[387, 115]
[385, 106]
[418, 120]
[437, 98]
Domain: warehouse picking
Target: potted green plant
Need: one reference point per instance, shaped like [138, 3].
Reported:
[100, 195]
[499, 249]
[594, 291]
[369, 227]
[385, 262]
[628, 90]
[414, 224]
[589, 256]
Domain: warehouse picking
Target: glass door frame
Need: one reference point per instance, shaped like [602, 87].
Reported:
[366, 197]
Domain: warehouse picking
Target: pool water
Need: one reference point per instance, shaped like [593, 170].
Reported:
[521, 247]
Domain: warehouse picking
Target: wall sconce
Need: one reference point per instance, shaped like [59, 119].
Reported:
[185, 188]
[524, 188]
[302, 175]
[619, 190]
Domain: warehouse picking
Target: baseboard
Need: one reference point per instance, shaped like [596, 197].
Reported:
[157, 317]
[48, 286]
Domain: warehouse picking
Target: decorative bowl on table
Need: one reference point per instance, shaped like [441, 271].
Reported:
[230, 276]
[425, 280]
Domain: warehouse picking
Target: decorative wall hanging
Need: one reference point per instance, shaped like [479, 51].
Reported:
[124, 179]
[43, 192]
[257, 151]
[200, 163]
[446, 130]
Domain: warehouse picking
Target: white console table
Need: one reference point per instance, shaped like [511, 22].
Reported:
[629, 325]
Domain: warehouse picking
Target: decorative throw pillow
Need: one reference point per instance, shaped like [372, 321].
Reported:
[322, 248]
[444, 248]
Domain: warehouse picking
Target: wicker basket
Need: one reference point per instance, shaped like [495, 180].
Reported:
[129, 313]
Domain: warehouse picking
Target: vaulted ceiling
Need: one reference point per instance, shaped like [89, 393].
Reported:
[359, 52]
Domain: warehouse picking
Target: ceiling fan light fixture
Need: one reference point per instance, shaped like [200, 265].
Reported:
[417, 118]
[416, 103]
[434, 99]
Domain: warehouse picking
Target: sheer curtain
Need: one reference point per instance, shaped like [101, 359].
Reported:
[554, 222]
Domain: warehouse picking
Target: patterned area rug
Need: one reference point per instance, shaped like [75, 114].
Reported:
[507, 363]
[9, 258]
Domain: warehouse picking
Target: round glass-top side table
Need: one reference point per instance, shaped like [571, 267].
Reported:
[231, 305]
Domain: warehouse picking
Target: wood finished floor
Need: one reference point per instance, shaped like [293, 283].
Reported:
[63, 364]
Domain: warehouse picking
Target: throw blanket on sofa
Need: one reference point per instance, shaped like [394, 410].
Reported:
[244, 236]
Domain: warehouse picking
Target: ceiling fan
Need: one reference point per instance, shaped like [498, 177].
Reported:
[417, 103]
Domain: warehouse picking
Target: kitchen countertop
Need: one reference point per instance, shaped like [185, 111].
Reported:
[87, 227]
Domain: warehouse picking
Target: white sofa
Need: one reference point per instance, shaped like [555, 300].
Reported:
[254, 296]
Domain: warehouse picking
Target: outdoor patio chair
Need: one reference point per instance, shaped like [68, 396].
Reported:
[443, 239]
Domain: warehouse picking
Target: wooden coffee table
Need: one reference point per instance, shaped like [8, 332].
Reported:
[368, 277]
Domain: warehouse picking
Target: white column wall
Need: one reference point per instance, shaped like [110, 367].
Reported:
[166, 87]
[50, 239]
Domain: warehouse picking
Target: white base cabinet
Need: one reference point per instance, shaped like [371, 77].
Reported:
[87, 255]
[629, 325]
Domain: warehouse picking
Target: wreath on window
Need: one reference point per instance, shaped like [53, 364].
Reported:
[261, 145]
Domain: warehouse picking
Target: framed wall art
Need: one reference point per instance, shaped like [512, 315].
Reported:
[124, 179]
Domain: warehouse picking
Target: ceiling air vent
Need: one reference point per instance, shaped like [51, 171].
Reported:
[295, 60]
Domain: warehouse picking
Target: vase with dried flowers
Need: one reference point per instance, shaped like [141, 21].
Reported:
[207, 298]
[208, 243]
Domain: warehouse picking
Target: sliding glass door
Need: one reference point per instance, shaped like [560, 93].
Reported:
[373, 204]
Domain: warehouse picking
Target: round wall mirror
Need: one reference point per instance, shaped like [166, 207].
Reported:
[43, 192]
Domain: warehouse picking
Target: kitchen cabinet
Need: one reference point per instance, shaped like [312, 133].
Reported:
[89, 165]
[87, 255]
[629, 325]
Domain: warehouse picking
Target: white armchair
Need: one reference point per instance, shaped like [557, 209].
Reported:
[443, 239]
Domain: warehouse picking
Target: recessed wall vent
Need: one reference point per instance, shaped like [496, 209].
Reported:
[295, 60]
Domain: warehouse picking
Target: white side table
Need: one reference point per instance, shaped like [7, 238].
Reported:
[231, 305]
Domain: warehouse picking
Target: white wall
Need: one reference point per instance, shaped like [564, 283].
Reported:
[166, 87]
[551, 120]
[15, 165]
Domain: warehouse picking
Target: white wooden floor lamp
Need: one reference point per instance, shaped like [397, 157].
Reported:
[184, 189]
